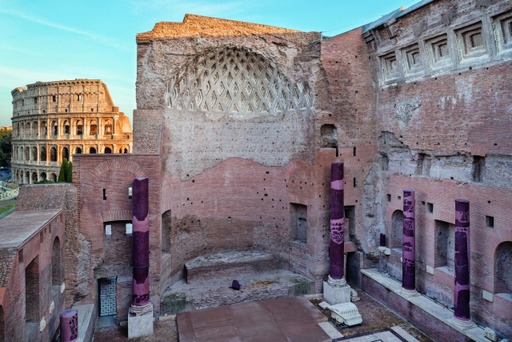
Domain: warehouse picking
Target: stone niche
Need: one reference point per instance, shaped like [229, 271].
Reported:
[233, 102]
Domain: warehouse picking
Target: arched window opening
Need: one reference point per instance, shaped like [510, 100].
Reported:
[54, 177]
[65, 153]
[108, 150]
[79, 127]
[67, 128]
[93, 128]
[55, 128]
[43, 154]
[32, 291]
[53, 154]
[56, 264]
[34, 128]
[502, 269]
[92, 150]
[44, 129]
[125, 150]
[27, 153]
[34, 177]
[78, 150]
[34, 153]
[43, 176]
[397, 223]
[20, 153]
[27, 177]
[108, 127]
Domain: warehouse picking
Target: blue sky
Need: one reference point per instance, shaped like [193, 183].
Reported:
[62, 39]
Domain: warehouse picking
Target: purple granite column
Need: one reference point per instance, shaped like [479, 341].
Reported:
[461, 288]
[337, 221]
[408, 243]
[69, 326]
[140, 221]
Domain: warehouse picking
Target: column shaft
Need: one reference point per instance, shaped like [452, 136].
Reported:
[461, 289]
[140, 221]
[337, 222]
[408, 242]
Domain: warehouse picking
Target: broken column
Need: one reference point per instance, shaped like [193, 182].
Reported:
[461, 287]
[69, 326]
[408, 245]
[336, 289]
[140, 317]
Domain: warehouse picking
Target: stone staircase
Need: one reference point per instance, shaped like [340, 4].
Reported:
[208, 280]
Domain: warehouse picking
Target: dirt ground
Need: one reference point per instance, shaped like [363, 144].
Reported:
[375, 317]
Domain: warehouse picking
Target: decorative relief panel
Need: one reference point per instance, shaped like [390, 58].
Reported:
[502, 26]
[236, 82]
[471, 42]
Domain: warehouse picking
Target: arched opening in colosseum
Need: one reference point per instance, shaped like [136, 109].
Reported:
[34, 129]
[56, 269]
[65, 153]
[34, 153]
[20, 153]
[67, 127]
[29, 129]
[108, 150]
[53, 154]
[92, 150]
[44, 129]
[27, 153]
[502, 269]
[397, 223]
[78, 150]
[108, 127]
[79, 127]
[34, 177]
[43, 154]
[55, 128]
[54, 177]
[93, 127]
[43, 176]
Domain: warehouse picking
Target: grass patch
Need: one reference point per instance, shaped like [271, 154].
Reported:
[7, 208]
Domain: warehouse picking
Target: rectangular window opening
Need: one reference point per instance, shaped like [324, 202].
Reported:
[108, 230]
[299, 221]
[489, 221]
[104, 194]
[430, 207]
[128, 229]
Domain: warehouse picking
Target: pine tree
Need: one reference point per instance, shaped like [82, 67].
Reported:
[69, 173]
[63, 171]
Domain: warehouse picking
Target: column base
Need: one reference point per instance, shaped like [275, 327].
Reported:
[336, 291]
[140, 325]
[408, 293]
[462, 324]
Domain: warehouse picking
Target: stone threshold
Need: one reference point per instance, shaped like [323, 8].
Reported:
[442, 314]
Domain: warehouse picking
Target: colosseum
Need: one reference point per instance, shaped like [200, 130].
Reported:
[54, 120]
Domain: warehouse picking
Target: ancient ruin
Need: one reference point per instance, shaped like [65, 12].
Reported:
[236, 128]
[56, 120]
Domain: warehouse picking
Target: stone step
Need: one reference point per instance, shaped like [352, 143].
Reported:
[228, 264]
[213, 292]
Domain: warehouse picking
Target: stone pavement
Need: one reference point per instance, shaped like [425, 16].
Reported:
[378, 323]
[277, 320]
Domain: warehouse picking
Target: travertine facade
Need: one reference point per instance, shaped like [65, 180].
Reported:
[55, 120]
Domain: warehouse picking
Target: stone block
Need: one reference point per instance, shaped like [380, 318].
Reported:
[487, 296]
[336, 294]
[346, 313]
[140, 326]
